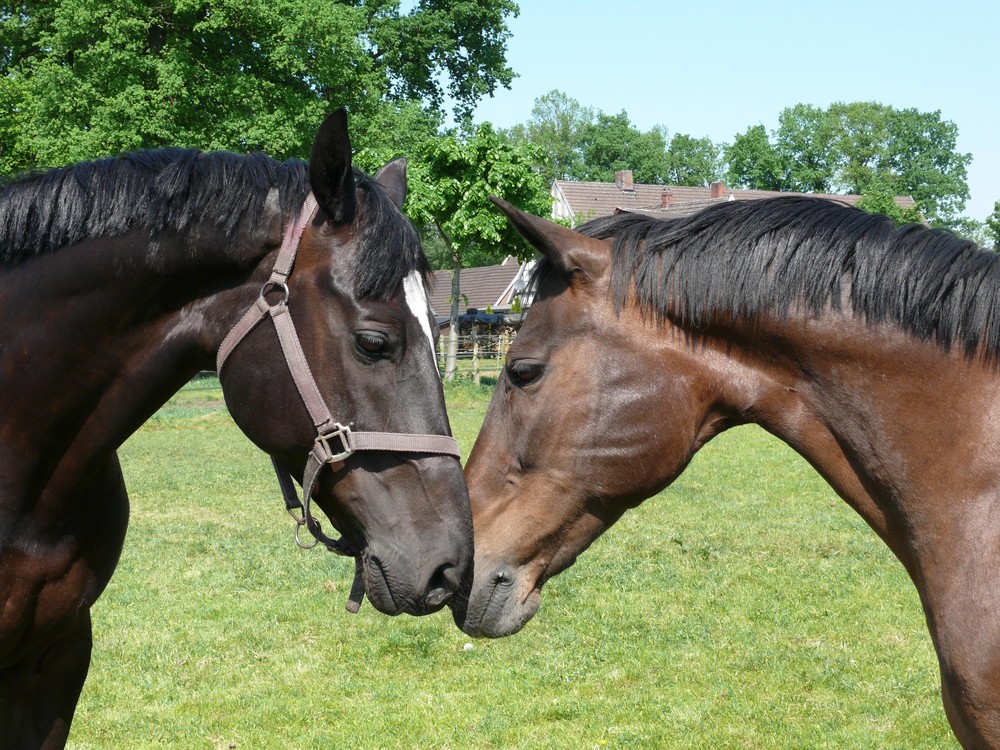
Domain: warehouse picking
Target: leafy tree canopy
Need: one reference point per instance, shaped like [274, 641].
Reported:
[860, 148]
[555, 128]
[913, 152]
[695, 162]
[754, 163]
[993, 226]
[453, 179]
[83, 78]
[880, 198]
[454, 176]
[611, 143]
[806, 144]
[977, 231]
[575, 142]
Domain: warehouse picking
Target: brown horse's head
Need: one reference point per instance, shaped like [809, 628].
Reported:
[566, 446]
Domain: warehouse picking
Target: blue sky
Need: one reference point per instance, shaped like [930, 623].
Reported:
[714, 69]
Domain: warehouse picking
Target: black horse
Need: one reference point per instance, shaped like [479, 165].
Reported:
[122, 278]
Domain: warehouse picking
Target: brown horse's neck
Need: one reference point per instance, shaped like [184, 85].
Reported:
[905, 432]
[872, 409]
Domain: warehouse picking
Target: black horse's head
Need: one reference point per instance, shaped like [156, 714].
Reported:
[357, 298]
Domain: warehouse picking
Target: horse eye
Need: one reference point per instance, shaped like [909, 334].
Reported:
[370, 343]
[524, 371]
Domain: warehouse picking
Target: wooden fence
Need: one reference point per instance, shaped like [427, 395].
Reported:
[478, 353]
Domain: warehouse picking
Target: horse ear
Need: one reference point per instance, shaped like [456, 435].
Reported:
[392, 177]
[331, 175]
[568, 250]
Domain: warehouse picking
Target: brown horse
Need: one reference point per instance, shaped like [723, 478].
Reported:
[120, 280]
[871, 350]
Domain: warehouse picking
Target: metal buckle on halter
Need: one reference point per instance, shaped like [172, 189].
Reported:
[342, 433]
[272, 285]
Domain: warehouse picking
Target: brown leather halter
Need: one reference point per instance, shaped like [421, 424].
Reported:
[335, 441]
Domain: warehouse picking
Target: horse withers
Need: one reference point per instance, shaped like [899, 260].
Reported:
[871, 350]
[120, 280]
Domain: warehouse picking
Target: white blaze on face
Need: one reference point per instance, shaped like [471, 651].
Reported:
[416, 300]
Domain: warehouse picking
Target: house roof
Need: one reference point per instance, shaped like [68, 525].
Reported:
[592, 200]
[481, 287]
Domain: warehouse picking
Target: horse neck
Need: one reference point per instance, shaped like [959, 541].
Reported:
[96, 337]
[133, 282]
[875, 411]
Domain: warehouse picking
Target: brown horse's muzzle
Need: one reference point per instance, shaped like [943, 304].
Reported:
[501, 601]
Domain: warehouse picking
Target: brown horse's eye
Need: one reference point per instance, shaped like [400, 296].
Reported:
[370, 343]
[524, 371]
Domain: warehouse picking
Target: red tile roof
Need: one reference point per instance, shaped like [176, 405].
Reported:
[591, 200]
[482, 286]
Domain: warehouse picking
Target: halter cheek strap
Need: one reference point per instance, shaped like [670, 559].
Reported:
[334, 442]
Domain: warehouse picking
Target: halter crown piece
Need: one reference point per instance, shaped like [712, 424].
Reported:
[335, 442]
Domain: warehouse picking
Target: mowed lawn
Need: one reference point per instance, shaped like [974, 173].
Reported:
[744, 607]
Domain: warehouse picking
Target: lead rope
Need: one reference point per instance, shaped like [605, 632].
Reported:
[335, 442]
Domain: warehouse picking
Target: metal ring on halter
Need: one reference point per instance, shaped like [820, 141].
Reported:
[298, 525]
[271, 285]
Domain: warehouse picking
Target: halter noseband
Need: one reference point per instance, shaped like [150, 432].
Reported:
[335, 442]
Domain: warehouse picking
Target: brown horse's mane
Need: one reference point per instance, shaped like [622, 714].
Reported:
[749, 259]
[171, 190]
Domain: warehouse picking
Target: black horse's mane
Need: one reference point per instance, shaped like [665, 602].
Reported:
[171, 190]
[749, 259]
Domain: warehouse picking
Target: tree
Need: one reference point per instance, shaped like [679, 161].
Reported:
[993, 226]
[913, 152]
[555, 128]
[861, 148]
[806, 142]
[880, 198]
[462, 40]
[696, 162]
[451, 183]
[79, 79]
[392, 130]
[576, 143]
[976, 231]
[754, 164]
[611, 143]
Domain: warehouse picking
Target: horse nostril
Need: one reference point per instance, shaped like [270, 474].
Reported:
[443, 583]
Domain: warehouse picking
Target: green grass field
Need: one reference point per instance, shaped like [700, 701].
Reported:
[745, 607]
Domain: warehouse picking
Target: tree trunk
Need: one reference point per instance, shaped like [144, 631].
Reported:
[451, 361]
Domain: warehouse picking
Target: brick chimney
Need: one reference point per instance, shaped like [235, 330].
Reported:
[665, 197]
[717, 190]
[623, 180]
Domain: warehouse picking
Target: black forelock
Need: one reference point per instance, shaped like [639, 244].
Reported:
[389, 246]
[748, 259]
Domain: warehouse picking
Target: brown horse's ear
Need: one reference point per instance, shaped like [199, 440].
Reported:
[568, 250]
[331, 176]
[392, 177]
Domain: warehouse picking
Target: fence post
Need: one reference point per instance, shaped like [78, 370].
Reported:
[502, 346]
[475, 353]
